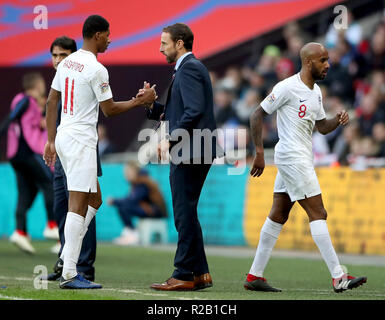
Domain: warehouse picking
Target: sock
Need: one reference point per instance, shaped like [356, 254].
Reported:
[269, 235]
[320, 233]
[72, 230]
[91, 212]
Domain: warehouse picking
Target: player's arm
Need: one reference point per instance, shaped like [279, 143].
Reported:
[325, 126]
[112, 108]
[256, 125]
[51, 116]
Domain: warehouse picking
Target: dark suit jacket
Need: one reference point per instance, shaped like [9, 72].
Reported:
[189, 106]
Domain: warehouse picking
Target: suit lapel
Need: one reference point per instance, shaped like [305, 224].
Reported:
[190, 56]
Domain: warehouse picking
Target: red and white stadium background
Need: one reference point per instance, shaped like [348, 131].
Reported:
[136, 25]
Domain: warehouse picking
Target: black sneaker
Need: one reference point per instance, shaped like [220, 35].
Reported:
[258, 284]
[57, 271]
[347, 282]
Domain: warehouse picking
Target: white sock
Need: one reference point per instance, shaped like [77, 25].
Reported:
[269, 235]
[72, 230]
[320, 233]
[91, 212]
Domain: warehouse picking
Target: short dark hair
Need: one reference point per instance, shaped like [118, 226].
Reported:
[93, 24]
[65, 43]
[181, 31]
[30, 79]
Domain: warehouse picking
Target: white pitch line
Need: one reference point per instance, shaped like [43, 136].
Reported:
[13, 298]
[129, 291]
[16, 278]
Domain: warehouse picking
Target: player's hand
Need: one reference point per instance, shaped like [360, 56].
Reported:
[49, 155]
[163, 149]
[343, 117]
[258, 165]
[147, 88]
[110, 201]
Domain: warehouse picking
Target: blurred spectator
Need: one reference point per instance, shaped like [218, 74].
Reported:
[364, 146]
[266, 65]
[368, 114]
[376, 55]
[284, 68]
[294, 45]
[246, 106]
[342, 147]
[213, 77]
[223, 106]
[379, 138]
[104, 144]
[338, 79]
[26, 139]
[144, 201]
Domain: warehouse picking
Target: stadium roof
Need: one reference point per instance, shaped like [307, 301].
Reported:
[136, 25]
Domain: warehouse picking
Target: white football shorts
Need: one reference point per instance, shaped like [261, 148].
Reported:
[79, 163]
[299, 181]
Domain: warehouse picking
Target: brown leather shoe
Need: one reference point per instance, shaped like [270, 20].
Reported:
[203, 281]
[173, 284]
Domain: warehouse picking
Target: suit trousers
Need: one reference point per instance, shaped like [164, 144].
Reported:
[186, 181]
[88, 251]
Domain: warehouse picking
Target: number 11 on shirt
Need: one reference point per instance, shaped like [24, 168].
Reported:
[71, 98]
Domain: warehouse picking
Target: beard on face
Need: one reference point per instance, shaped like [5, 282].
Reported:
[171, 57]
[317, 74]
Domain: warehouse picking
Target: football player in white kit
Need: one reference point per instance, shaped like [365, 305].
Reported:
[82, 84]
[298, 102]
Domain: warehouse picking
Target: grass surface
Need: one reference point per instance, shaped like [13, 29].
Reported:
[127, 272]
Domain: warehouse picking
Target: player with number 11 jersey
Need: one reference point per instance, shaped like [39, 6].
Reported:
[84, 82]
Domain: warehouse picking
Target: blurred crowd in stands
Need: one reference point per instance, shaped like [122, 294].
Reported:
[355, 82]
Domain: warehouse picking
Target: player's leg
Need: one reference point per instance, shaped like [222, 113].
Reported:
[94, 203]
[270, 231]
[318, 227]
[77, 210]
[27, 191]
[43, 178]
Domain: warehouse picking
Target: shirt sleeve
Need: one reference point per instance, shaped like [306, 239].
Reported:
[100, 85]
[56, 81]
[276, 99]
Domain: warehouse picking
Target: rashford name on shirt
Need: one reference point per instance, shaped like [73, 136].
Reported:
[76, 66]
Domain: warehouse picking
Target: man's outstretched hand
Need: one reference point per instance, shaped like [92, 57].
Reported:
[147, 94]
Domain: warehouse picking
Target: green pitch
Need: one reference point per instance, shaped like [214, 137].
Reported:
[127, 272]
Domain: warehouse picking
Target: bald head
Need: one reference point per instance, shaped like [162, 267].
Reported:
[314, 58]
[311, 50]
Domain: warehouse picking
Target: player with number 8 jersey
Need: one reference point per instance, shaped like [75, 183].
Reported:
[298, 103]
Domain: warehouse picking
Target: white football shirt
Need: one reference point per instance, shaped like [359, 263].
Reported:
[298, 107]
[83, 83]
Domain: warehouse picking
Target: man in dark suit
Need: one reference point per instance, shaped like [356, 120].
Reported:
[188, 112]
